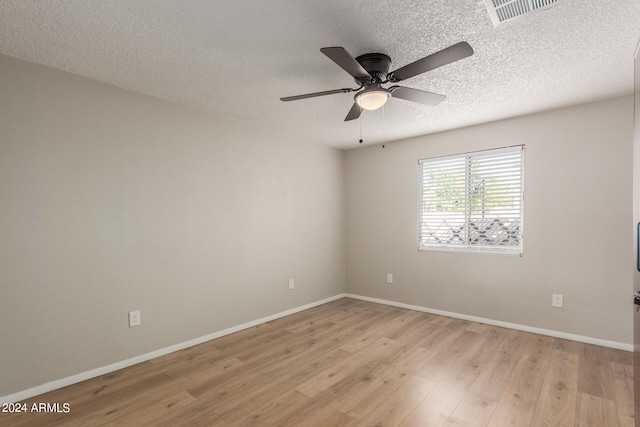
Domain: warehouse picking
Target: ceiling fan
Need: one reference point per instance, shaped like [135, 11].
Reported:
[371, 71]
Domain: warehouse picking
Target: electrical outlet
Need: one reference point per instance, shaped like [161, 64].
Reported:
[134, 318]
[292, 284]
[389, 278]
[556, 300]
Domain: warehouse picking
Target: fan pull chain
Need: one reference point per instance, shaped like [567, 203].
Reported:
[383, 125]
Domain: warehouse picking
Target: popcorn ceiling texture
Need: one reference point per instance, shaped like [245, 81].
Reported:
[237, 58]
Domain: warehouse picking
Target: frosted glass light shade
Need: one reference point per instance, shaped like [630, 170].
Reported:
[373, 99]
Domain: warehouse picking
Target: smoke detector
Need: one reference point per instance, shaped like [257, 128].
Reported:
[502, 11]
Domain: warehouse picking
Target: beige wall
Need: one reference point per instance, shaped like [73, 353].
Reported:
[577, 234]
[111, 201]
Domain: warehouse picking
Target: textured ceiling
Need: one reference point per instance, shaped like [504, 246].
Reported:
[237, 58]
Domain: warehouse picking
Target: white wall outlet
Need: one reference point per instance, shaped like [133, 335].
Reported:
[389, 278]
[292, 284]
[134, 318]
[556, 300]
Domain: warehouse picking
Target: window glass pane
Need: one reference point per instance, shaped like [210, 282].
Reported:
[472, 202]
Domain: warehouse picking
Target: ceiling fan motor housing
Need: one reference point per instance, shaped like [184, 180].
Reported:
[376, 64]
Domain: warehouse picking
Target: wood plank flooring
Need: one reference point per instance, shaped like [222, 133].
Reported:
[355, 363]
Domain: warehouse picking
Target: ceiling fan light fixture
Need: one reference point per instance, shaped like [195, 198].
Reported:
[372, 99]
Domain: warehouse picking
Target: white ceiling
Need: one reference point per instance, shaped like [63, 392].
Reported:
[236, 58]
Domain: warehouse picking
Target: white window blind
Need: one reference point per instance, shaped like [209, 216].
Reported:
[472, 202]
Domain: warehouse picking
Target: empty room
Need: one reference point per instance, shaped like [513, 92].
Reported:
[338, 213]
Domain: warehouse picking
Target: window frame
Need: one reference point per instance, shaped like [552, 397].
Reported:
[468, 247]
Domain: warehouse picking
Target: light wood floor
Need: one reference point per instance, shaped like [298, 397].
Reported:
[354, 363]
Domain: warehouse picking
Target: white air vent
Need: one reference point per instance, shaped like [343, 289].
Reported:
[505, 10]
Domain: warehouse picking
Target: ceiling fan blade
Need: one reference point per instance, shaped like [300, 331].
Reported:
[354, 113]
[445, 56]
[313, 95]
[340, 56]
[416, 95]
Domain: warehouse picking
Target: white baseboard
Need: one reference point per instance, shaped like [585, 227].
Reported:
[548, 332]
[83, 376]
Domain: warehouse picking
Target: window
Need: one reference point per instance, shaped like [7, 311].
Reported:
[472, 202]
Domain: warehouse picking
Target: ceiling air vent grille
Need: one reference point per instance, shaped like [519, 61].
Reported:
[505, 10]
